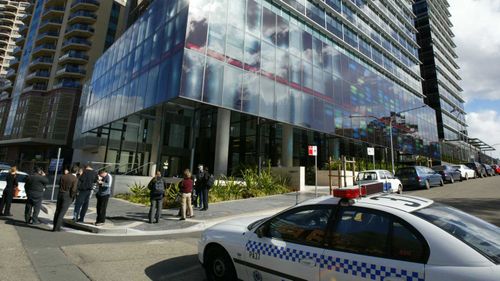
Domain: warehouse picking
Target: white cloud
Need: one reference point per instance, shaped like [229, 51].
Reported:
[485, 126]
[477, 38]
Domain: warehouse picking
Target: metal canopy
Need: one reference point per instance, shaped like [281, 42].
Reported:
[480, 144]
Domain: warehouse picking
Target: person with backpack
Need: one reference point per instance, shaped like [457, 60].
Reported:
[207, 181]
[157, 187]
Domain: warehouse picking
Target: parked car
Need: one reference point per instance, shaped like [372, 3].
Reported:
[489, 171]
[419, 176]
[448, 173]
[478, 168]
[496, 168]
[21, 179]
[465, 172]
[391, 183]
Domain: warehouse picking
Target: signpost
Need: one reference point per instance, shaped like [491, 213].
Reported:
[313, 151]
[371, 152]
[55, 173]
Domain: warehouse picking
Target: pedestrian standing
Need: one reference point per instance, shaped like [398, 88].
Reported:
[35, 186]
[186, 188]
[8, 193]
[198, 187]
[157, 187]
[102, 195]
[206, 183]
[65, 196]
[86, 183]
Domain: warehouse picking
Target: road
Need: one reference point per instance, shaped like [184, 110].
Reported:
[70, 256]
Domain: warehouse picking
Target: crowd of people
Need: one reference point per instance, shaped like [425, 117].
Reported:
[77, 186]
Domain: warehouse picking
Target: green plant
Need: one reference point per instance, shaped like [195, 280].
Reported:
[138, 194]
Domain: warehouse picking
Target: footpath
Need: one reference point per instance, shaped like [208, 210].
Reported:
[125, 218]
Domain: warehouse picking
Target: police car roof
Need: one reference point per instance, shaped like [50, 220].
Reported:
[404, 203]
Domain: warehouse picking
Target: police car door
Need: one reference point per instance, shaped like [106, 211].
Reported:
[366, 244]
[289, 245]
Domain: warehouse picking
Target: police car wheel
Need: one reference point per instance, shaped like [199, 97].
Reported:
[400, 189]
[427, 184]
[219, 266]
[441, 183]
[452, 180]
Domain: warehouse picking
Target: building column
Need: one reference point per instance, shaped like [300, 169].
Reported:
[157, 141]
[222, 141]
[287, 146]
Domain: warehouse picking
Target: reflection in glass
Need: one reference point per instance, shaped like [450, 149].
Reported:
[250, 93]
[268, 25]
[192, 75]
[282, 35]
[268, 57]
[252, 53]
[198, 25]
[253, 17]
[266, 97]
[214, 75]
[282, 103]
[231, 97]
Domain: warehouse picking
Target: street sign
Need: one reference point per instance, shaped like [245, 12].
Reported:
[54, 162]
[371, 151]
[312, 150]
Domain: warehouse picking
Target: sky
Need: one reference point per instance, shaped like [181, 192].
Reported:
[477, 36]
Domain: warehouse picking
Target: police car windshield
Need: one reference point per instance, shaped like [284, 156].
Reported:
[20, 177]
[480, 235]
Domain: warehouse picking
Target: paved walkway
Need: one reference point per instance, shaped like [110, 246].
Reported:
[125, 218]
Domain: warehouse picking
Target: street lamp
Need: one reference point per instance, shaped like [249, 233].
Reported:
[393, 114]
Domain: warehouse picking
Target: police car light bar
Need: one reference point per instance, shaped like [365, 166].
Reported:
[357, 192]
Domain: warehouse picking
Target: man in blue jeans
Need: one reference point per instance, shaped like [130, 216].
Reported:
[86, 183]
[102, 195]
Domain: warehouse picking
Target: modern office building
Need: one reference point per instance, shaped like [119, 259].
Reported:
[11, 15]
[232, 83]
[62, 43]
[441, 80]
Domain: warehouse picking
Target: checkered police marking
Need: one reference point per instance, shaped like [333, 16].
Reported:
[365, 270]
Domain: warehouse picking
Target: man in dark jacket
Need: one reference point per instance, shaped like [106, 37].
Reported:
[34, 186]
[67, 192]
[198, 187]
[86, 183]
[157, 188]
[103, 193]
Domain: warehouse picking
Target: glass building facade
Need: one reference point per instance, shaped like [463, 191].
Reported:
[311, 65]
[441, 80]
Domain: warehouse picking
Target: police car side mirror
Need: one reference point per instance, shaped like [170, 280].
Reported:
[261, 231]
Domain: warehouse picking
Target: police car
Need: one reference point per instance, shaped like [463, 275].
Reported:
[381, 236]
[391, 184]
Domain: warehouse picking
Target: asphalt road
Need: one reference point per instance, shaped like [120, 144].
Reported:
[70, 256]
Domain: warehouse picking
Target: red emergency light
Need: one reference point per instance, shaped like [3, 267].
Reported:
[358, 191]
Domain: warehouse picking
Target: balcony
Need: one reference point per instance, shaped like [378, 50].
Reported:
[23, 30]
[40, 87]
[41, 75]
[54, 23]
[68, 84]
[74, 57]
[49, 36]
[76, 44]
[41, 62]
[81, 30]
[6, 86]
[20, 40]
[55, 2]
[44, 49]
[89, 5]
[17, 51]
[14, 63]
[11, 74]
[82, 17]
[71, 71]
[54, 11]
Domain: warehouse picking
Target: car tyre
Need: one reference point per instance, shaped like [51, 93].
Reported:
[441, 183]
[466, 177]
[400, 189]
[427, 184]
[452, 180]
[218, 265]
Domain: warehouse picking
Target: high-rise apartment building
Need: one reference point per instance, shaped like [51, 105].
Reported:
[229, 83]
[11, 15]
[441, 80]
[63, 41]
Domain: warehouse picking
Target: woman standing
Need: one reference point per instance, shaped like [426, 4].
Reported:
[186, 187]
[8, 192]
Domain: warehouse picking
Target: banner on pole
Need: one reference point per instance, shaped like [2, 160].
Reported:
[312, 150]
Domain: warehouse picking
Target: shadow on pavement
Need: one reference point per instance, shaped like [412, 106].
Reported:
[178, 268]
[485, 208]
[20, 223]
